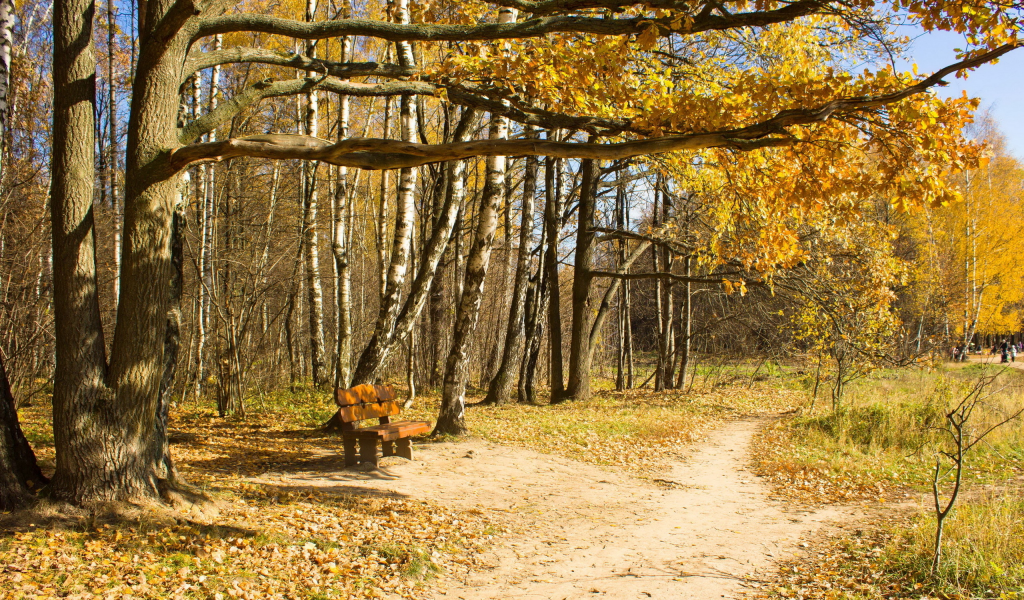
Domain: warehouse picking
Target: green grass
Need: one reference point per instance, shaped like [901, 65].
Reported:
[983, 548]
[890, 427]
[884, 440]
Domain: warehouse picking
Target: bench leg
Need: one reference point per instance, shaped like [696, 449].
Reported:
[404, 448]
[368, 450]
[387, 448]
[349, 442]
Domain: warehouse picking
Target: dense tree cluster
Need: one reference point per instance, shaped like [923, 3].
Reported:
[510, 194]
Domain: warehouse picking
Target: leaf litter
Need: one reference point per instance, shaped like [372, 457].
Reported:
[285, 542]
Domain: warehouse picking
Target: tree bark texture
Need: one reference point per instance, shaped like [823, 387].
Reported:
[385, 340]
[105, 420]
[405, 213]
[20, 476]
[552, 230]
[6, 45]
[501, 387]
[451, 418]
[340, 245]
[83, 408]
[311, 233]
[579, 348]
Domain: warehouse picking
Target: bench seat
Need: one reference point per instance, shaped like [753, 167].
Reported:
[391, 431]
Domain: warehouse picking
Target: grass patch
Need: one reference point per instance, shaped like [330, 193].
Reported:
[983, 549]
[883, 440]
[881, 444]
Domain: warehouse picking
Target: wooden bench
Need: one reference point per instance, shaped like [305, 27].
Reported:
[369, 402]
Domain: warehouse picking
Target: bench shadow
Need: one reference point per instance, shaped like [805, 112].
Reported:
[341, 491]
[296, 455]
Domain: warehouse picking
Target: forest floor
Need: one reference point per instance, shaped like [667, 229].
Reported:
[704, 529]
[629, 495]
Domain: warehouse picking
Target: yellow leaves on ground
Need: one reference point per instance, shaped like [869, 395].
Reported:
[799, 475]
[265, 541]
[264, 544]
[639, 430]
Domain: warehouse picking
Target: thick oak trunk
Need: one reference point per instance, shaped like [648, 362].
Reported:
[106, 421]
[82, 405]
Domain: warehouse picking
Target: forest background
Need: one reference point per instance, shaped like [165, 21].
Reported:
[850, 219]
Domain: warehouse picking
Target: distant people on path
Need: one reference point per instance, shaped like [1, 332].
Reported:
[1004, 350]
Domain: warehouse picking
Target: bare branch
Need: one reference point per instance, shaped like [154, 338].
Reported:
[377, 154]
[241, 54]
[270, 89]
[535, 27]
[717, 279]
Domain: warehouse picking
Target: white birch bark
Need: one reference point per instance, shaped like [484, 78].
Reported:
[405, 210]
[314, 288]
[206, 233]
[6, 44]
[451, 419]
[340, 246]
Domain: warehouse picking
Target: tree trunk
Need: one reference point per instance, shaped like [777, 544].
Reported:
[500, 391]
[340, 245]
[686, 327]
[534, 331]
[82, 407]
[405, 214]
[317, 345]
[580, 347]
[19, 473]
[106, 436]
[161, 457]
[552, 230]
[620, 258]
[7, 16]
[388, 335]
[451, 418]
[605, 307]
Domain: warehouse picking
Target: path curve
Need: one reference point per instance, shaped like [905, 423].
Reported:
[586, 531]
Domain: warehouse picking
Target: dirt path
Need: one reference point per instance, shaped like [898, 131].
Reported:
[587, 531]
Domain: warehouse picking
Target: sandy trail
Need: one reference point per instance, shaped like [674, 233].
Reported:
[587, 531]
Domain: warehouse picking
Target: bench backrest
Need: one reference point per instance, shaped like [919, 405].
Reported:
[366, 402]
[362, 394]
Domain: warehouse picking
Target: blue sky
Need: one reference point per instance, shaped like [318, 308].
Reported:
[1000, 86]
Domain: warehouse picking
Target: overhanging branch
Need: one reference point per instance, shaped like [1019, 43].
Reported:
[535, 27]
[241, 54]
[378, 154]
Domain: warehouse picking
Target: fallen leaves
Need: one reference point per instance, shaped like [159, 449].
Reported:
[265, 541]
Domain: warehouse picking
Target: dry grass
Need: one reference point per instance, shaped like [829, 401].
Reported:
[883, 441]
[882, 445]
[890, 557]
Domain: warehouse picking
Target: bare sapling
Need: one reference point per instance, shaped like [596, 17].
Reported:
[962, 438]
